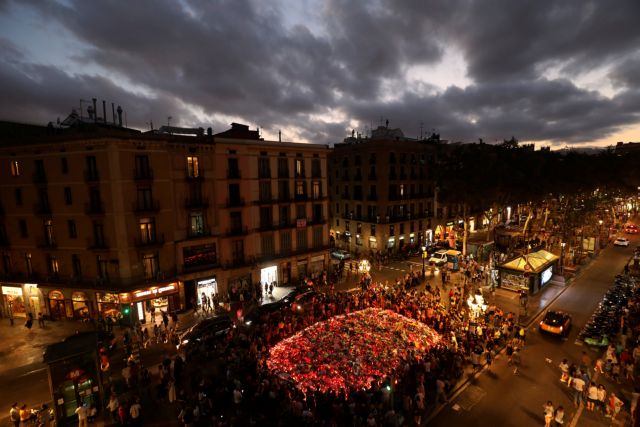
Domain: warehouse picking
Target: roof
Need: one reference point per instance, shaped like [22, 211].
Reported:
[71, 346]
[534, 262]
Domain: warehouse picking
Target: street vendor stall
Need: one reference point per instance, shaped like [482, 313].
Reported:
[529, 272]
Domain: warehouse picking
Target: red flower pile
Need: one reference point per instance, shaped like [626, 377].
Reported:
[350, 352]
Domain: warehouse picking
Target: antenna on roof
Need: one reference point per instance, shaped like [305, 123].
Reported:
[279, 136]
[169, 120]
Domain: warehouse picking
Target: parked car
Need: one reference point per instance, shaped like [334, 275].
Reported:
[218, 326]
[303, 301]
[288, 299]
[256, 314]
[340, 254]
[439, 258]
[621, 241]
[556, 322]
[631, 229]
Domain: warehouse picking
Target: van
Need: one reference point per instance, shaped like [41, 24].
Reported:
[439, 258]
[446, 257]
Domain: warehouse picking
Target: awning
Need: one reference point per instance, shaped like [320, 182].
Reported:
[534, 262]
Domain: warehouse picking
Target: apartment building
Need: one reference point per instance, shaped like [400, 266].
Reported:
[382, 192]
[96, 218]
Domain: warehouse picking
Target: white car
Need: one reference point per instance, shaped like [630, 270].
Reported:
[439, 258]
[621, 241]
[340, 254]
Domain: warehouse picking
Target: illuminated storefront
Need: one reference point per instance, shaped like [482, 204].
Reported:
[57, 306]
[207, 288]
[13, 301]
[528, 272]
[81, 305]
[108, 304]
[165, 297]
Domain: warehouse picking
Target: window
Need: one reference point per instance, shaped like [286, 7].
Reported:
[372, 158]
[64, 165]
[92, 168]
[373, 229]
[337, 208]
[267, 246]
[392, 230]
[52, 265]
[299, 168]
[40, 174]
[103, 270]
[76, 265]
[22, 225]
[284, 216]
[402, 190]
[73, 231]
[44, 200]
[145, 198]
[285, 242]
[266, 217]
[234, 194]
[300, 188]
[150, 266]
[142, 171]
[316, 171]
[264, 169]
[236, 221]
[6, 263]
[392, 157]
[193, 167]
[301, 239]
[147, 230]
[401, 228]
[318, 235]
[67, 196]
[98, 234]
[95, 199]
[317, 212]
[301, 212]
[196, 224]
[316, 190]
[265, 191]
[283, 190]
[28, 264]
[233, 171]
[347, 226]
[283, 167]
[237, 251]
[359, 228]
[18, 194]
[15, 168]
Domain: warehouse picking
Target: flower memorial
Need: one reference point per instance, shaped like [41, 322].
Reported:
[350, 352]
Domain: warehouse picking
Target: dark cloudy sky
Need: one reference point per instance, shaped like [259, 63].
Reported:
[554, 72]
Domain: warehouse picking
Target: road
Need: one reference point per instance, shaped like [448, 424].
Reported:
[498, 397]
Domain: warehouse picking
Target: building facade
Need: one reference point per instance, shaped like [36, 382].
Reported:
[99, 218]
[382, 192]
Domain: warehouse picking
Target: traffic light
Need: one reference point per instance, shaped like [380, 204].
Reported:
[126, 310]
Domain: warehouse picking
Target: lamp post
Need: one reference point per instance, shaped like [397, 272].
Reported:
[424, 253]
[599, 232]
[562, 257]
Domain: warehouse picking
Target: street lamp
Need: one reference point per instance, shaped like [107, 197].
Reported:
[562, 257]
[424, 249]
[477, 305]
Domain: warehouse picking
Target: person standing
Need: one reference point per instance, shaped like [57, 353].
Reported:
[134, 412]
[578, 390]
[559, 416]
[592, 396]
[548, 413]
[83, 414]
[14, 415]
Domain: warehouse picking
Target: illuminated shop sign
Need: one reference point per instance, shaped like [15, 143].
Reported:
[155, 291]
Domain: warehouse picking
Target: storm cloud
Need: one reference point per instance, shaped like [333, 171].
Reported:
[316, 69]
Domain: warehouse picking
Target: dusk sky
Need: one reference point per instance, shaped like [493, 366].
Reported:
[560, 73]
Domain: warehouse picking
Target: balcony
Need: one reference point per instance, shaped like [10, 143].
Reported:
[317, 221]
[39, 178]
[196, 203]
[97, 244]
[301, 197]
[95, 208]
[264, 201]
[91, 175]
[266, 226]
[234, 202]
[49, 243]
[284, 198]
[233, 174]
[285, 224]
[148, 241]
[237, 231]
[283, 173]
[194, 175]
[372, 197]
[143, 174]
[196, 234]
[146, 206]
[42, 210]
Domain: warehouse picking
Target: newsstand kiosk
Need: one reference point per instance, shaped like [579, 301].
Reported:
[74, 375]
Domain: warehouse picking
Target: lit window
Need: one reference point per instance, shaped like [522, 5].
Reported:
[193, 169]
[15, 168]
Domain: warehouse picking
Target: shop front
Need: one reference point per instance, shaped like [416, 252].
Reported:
[33, 300]
[148, 303]
[301, 266]
[57, 305]
[206, 288]
[13, 301]
[269, 275]
[81, 305]
[529, 273]
[316, 265]
[285, 273]
[108, 305]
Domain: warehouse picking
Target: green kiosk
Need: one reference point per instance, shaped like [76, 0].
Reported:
[74, 375]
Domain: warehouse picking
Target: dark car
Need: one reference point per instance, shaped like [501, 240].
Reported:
[255, 315]
[217, 326]
[288, 299]
[303, 302]
[556, 322]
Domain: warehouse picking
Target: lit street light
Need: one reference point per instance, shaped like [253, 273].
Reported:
[562, 257]
[424, 255]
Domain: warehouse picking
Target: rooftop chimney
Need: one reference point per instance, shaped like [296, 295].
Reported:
[113, 113]
[95, 110]
[104, 111]
[119, 110]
